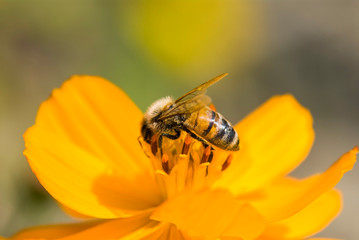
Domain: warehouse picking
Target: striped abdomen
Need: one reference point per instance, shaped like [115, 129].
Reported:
[214, 128]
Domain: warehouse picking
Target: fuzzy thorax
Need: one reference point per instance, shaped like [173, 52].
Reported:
[155, 109]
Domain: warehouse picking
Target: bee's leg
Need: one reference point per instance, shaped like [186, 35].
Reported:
[172, 137]
[139, 141]
[193, 135]
[167, 135]
[205, 144]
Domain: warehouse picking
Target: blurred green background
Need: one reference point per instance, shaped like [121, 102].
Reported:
[156, 48]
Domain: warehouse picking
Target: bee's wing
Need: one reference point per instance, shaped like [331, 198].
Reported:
[201, 89]
[189, 106]
[193, 100]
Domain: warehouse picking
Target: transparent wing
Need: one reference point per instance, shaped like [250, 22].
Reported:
[189, 106]
[192, 101]
[201, 89]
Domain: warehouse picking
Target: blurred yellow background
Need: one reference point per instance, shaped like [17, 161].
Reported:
[156, 48]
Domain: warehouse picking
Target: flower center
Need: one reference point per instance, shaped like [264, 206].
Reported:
[185, 163]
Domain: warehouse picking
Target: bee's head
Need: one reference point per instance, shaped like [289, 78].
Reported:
[150, 123]
[146, 132]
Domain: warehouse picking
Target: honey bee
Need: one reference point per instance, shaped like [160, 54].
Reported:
[190, 113]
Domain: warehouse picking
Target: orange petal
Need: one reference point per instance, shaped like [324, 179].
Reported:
[230, 238]
[73, 213]
[54, 231]
[286, 197]
[83, 182]
[308, 221]
[275, 138]
[122, 230]
[211, 214]
[138, 225]
[98, 117]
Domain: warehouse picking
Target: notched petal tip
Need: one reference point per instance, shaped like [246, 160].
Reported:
[355, 150]
[346, 161]
[298, 194]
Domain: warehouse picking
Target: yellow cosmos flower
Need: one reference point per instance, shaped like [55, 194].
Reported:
[84, 150]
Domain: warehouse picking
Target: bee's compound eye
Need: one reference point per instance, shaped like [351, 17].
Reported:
[143, 129]
[146, 133]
